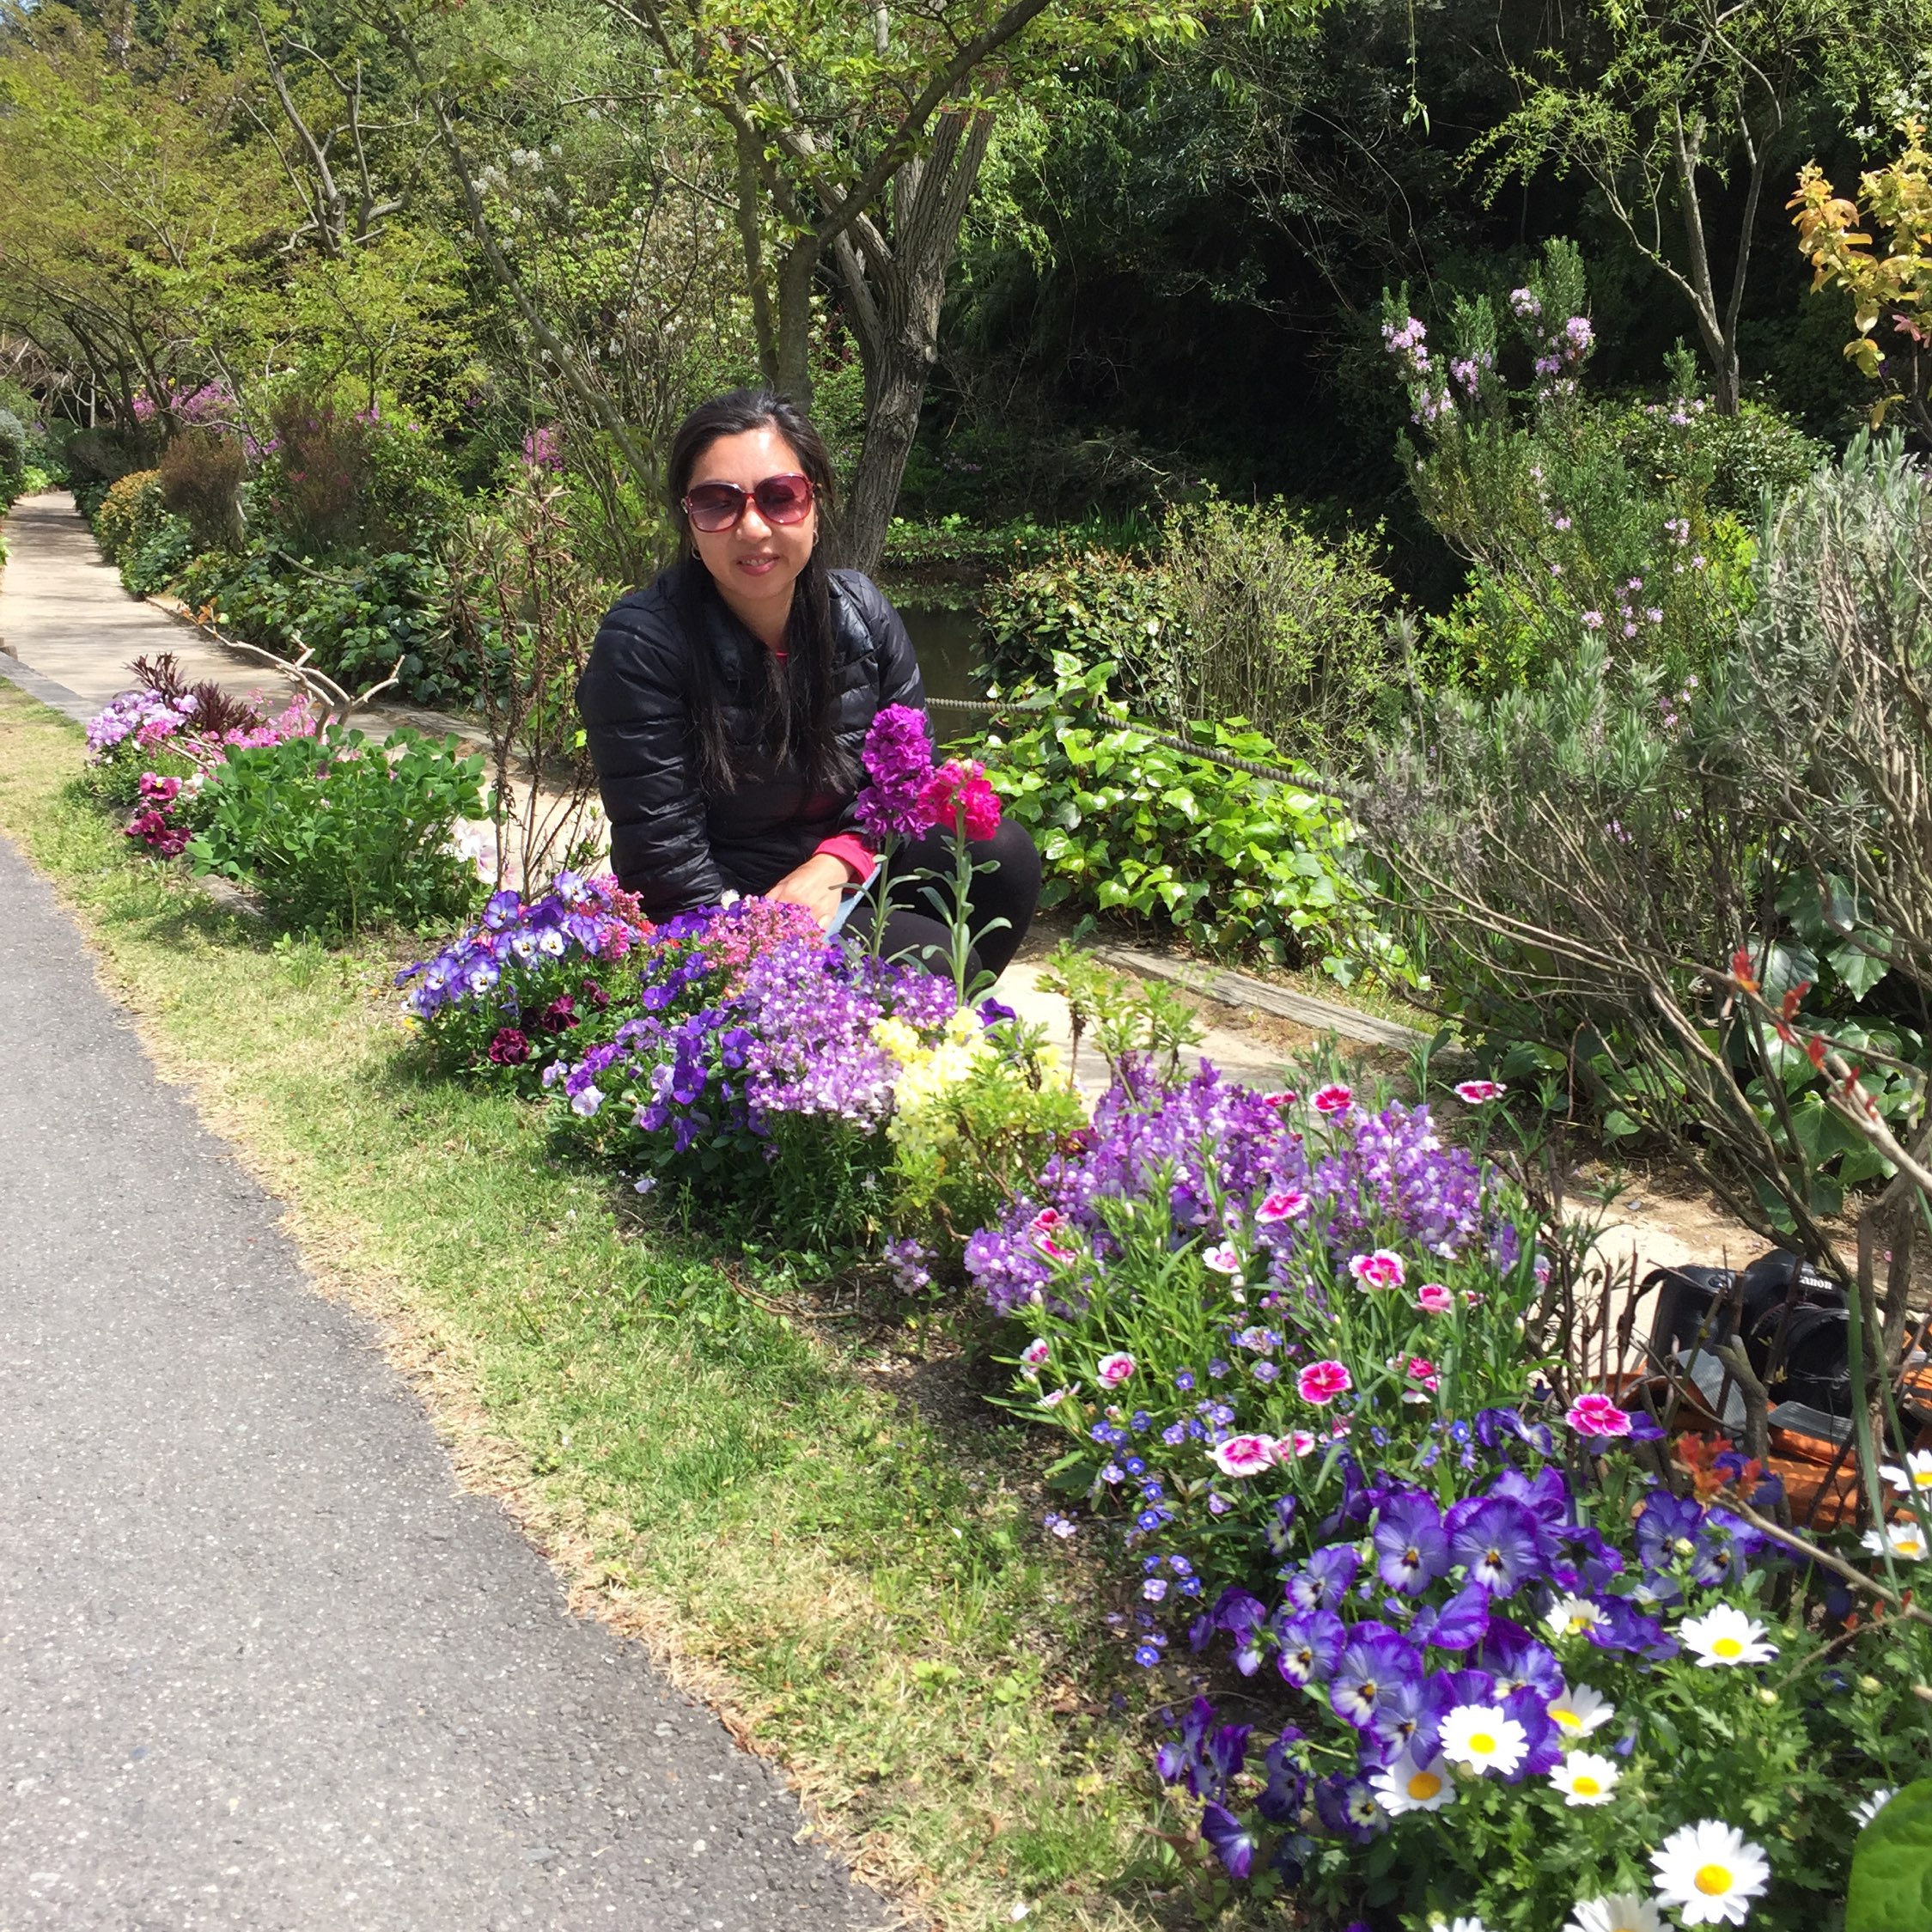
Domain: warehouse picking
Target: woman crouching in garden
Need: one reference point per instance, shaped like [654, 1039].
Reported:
[726, 705]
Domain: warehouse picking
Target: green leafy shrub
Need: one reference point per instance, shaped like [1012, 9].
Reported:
[337, 833]
[1735, 461]
[1234, 863]
[1085, 608]
[154, 559]
[201, 476]
[1574, 863]
[130, 509]
[1242, 613]
[409, 498]
[16, 450]
[1277, 625]
[95, 459]
[359, 618]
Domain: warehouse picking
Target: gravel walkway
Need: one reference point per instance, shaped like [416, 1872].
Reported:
[262, 1664]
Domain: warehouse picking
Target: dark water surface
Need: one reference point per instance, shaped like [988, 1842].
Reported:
[950, 645]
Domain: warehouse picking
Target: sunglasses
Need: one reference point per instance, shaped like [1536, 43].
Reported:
[716, 507]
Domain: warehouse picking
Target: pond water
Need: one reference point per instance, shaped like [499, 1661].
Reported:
[952, 658]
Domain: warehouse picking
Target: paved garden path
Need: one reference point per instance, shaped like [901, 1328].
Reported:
[263, 1665]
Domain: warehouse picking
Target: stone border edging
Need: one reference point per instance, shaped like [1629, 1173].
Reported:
[1237, 990]
[55, 697]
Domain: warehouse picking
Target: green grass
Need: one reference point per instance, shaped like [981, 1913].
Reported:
[863, 1594]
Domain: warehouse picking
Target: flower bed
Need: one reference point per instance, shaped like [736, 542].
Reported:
[735, 1052]
[1450, 1633]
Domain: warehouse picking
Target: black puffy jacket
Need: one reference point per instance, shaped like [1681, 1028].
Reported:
[671, 844]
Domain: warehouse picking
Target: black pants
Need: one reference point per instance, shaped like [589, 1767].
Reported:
[914, 931]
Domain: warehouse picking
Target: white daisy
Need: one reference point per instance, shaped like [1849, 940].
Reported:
[1709, 1873]
[1868, 1808]
[1726, 1635]
[1480, 1738]
[1579, 1710]
[1586, 1777]
[1916, 1474]
[1622, 1911]
[1907, 1540]
[1406, 1786]
[1572, 1617]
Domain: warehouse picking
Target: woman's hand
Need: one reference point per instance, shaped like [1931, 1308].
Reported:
[818, 885]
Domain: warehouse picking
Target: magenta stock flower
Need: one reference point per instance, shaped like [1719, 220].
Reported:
[960, 786]
[1321, 1382]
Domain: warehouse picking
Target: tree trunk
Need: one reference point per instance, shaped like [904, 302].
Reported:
[1721, 343]
[893, 394]
[796, 268]
[894, 293]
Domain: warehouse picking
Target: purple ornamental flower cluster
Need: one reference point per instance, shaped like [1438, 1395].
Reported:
[141, 715]
[1396, 1170]
[720, 1051]
[816, 1008]
[1226, 1148]
[1432, 1611]
[507, 990]
[898, 758]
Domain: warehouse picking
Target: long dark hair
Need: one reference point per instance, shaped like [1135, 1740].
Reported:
[795, 704]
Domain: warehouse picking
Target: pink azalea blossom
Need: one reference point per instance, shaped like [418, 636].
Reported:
[1382, 1269]
[1289, 1203]
[1597, 1415]
[1474, 1092]
[1222, 1259]
[1432, 1298]
[1114, 1369]
[1320, 1382]
[1243, 1455]
[1333, 1099]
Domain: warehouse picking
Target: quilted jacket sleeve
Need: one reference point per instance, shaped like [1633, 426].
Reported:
[633, 699]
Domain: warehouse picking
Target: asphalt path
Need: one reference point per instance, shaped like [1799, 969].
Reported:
[262, 1663]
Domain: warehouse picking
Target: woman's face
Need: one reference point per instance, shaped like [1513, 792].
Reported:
[755, 564]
